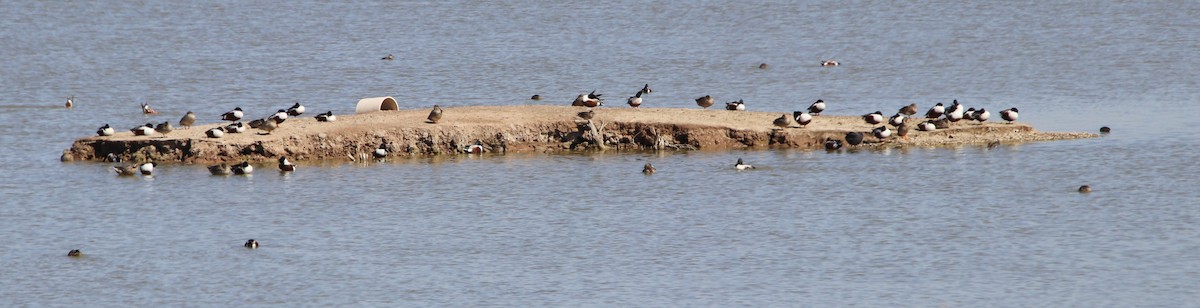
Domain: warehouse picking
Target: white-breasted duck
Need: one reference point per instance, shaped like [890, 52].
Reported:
[236, 128]
[381, 151]
[648, 169]
[782, 121]
[252, 244]
[285, 165]
[475, 148]
[897, 119]
[147, 110]
[243, 168]
[955, 112]
[635, 100]
[873, 118]
[970, 114]
[739, 105]
[220, 169]
[588, 100]
[70, 102]
[817, 107]
[802, 118]
[854, 138]
[233, 115]
[740, 165]
[646, 89]
[143, 130]
[147, 168]
[705, 102]
[981, 115]
[296, 110]
[1009, 114]
[881, 132]
[188, 119]
[106, 130]
[832, 144]
[279, 116]
[830, 62]
[326, 117]
[435, 115]
[215, 132]
[936, 111]
[926, 126]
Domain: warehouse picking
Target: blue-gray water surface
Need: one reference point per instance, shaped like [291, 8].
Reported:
[962, 226]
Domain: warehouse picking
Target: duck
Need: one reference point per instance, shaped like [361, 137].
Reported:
[326, 117]
[646, 89]
[832, 144]
[830, 62]
[648, 169]
[705, 102]
[215, 132]
[233, 115]
[881, 132]
[936, 111]
[252, 244]
[243, 168]
[296, 110]
[763, 66]
[267, 126]
[257, 123]
[389, 57]
[381, 151]
[1105, 130]
[873, 118]
[742, 165]
[909, 110]
[164, 128]
[896, 120]
[435, 115]
[739, 105]
[926, 126]
[143, 130]
[635, 100]
[1009, 114]
[981, 115]
[236, 128]
[188, 119]
[70, 102]
[127, 170]
[279, 116]
[147, 110]
[588, 100]
[942, 123]
[802, 118]
[1085, 189]
[854, 138]
[74, 253]
[817, 107]
[782, 121]
[955, 112]
[476, 148]
[285, 165]
[970, 114]
[536, 97]
[220, 169]
[105, 130]
[902, 131]
[587, 115]
[147, 168]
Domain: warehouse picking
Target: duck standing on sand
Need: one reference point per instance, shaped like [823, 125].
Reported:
[188, 119]
[926, 126]
[902, 131]
[221, 169]
[970, 114]
[105, 130]
[147, 110]
[143, 130]
[881, 132]
[648, 169]
[705, 102]
[279, 116]
[936, 111]
[817, 107]
[296, 110]
[587, 115]
[909, 110]
[873, 118]
[1009, 115]
[635, 100]
[164, 128]
[782, 121]
[982, 115]
[740, 165]
[739, 105]
[896, 120]
[233, 115]
[326, 117]
[267, 126]
[802, 118]
[236, 128]
[285, 165]
[955, 112]
[243, 168]
[435, 115]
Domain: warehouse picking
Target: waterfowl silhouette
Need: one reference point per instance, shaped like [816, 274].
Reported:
[389, 57]
[832, 144]
[143, 130]
[909, 110]
[105, 130]
[649, 169]
[381, 151]
[164, 128]
[1085, 189]
[536, 97]
[896, 120]
[285, 165]
[830, 62]
[127, 170]
[802, 118]
[982, 115]
[296, 110]
[74, 253]
[902, 131]
[742, 165]
[854, 138]
[587, 115]
[817, 107]
[782, 121]
[236, 128]
[936, 111]
[970, 114]
[258, 123]
[646, 89]
[763, 66]
[187, 120]
[635, 100]
[705, 102]
[233, 115]
[1105, 130]
[279, 116]
[70, 102]
[220, 169]
[926, 126]
[326, 117]
[1009, 114]
[147, 110]
[881, 132]
[252, 244]
[739, 105]
[955, 112]
[243, 168]
[435, 115]
[873, 118]
[267, 126]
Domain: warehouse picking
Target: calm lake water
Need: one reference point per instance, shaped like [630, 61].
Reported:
[964, 227]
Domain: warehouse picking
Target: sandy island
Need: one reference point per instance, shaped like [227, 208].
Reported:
[503, 129]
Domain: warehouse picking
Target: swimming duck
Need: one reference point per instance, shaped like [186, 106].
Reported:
[909, 110]
[981, 115]
[143, 130]
[536, 97]
[285, 165]
[236, 128]
[587, 115]
[649, 169]
[105, 130]
[389, 57]
[646, 89]
[817, 107]
[936, 111]
[127, 170]
[74, 253]
[296, 110]
[830, 62]
[147, 168]
[782, 121]
[832, 144]
[970, 114]
[739, 105]
[381, 151]
[926, 126]
[1009, 114]
[326, 117]
[1105, 130]
[70, 102]
[164, 128]
[233, 115]
[147, 110]
[873, 118]
[896, 120]
[267, 126]
[252, 244]
[762, 66]
[802, 118]
[1085, 189]
[635, 100]
[435, 115]
[243, 168]
[705, 102]
[742, 165]
[476, 148]
[854, 138]
[221, 169]
[279, 116]
[188, 119]
[881, 132]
